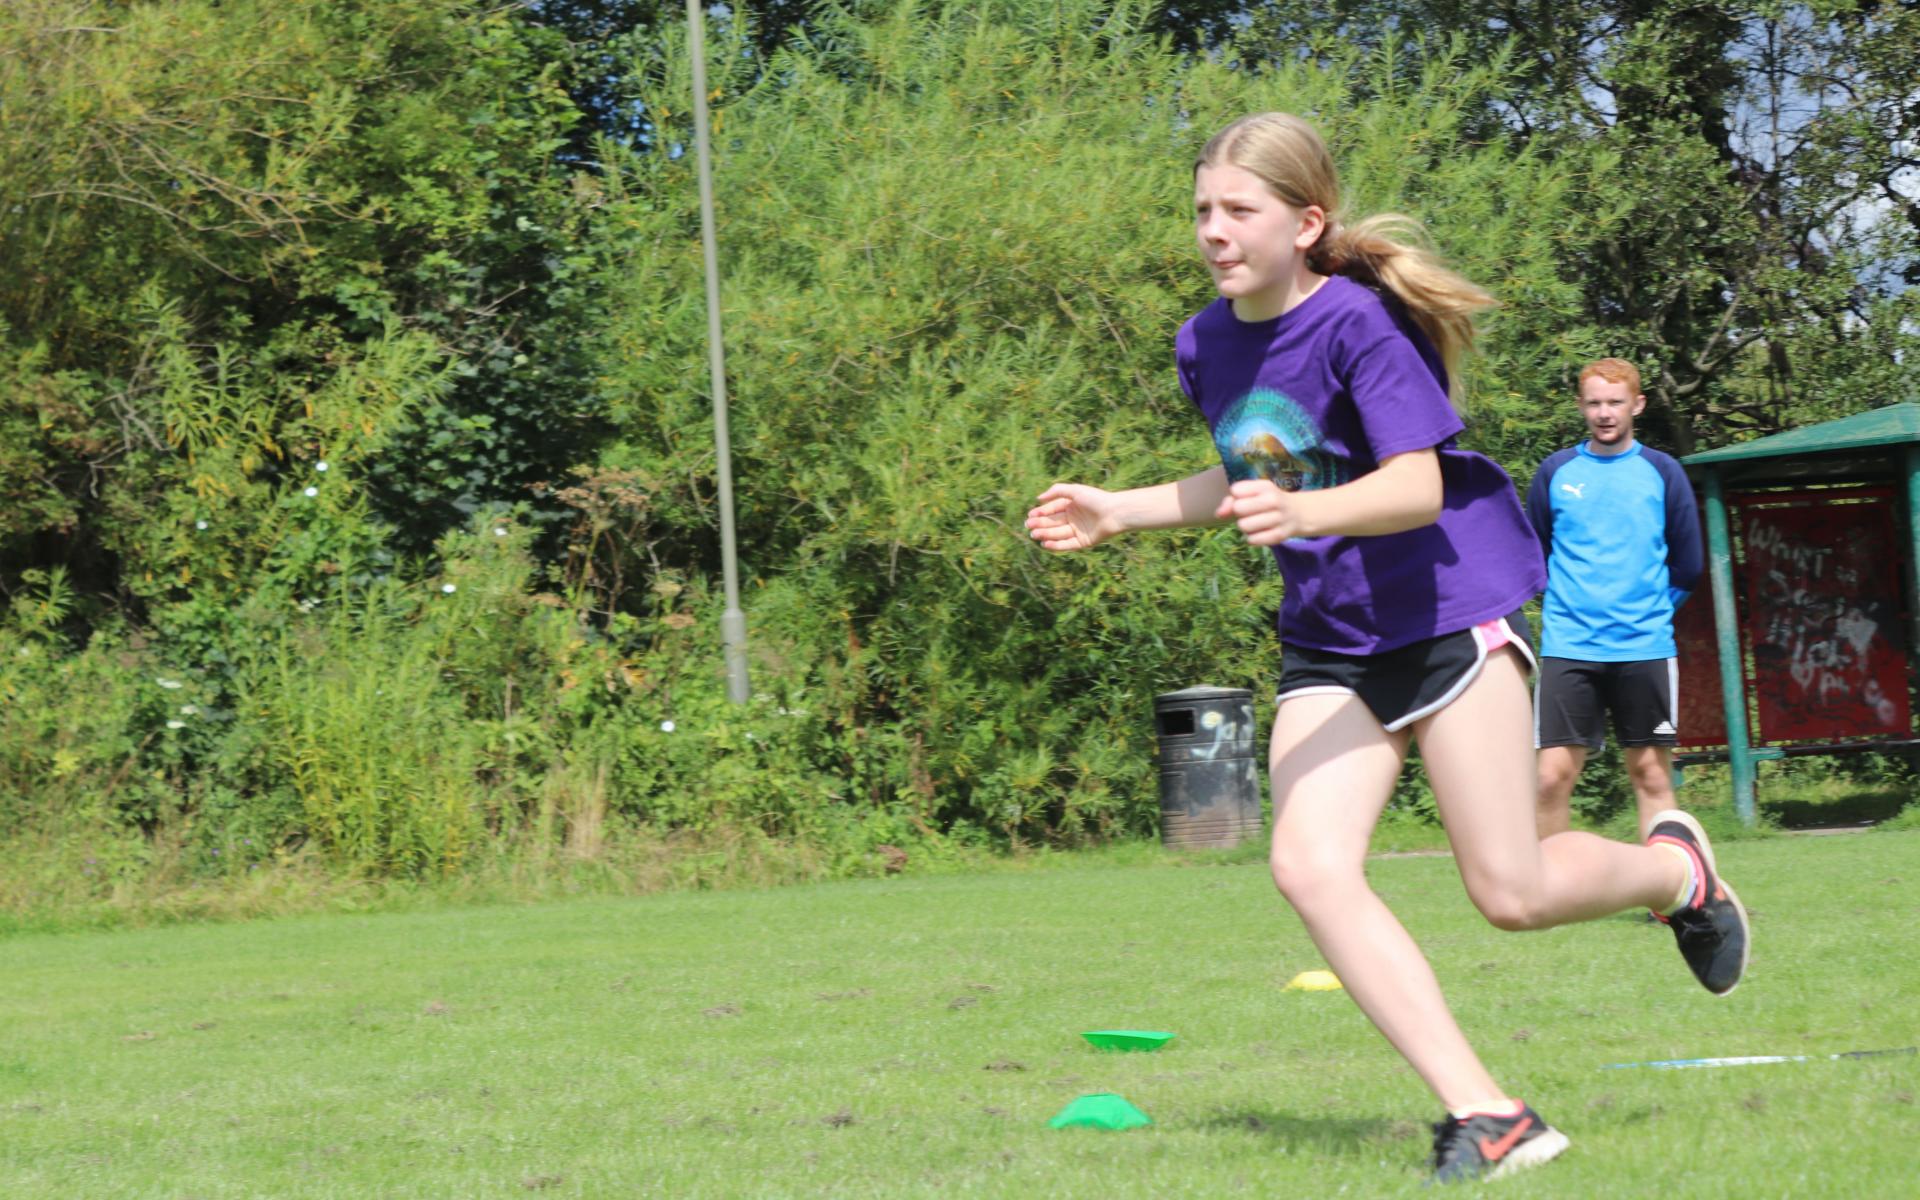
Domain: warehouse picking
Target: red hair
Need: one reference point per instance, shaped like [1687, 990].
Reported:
[1613, 370]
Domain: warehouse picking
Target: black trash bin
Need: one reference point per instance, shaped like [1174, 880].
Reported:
[1209, 777]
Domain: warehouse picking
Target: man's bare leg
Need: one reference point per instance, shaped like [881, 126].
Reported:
[1559, 768]
[1651, 770]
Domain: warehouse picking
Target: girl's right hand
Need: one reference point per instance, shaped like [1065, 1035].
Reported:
[1073, 516]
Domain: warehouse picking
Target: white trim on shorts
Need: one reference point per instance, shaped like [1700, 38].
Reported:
[1469, 675]
[1453, 693]
[1318, 689]
[1673, 712]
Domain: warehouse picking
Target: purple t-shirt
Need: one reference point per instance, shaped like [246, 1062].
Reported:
[1317, 397]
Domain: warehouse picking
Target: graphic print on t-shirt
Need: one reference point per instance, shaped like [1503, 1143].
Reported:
[1264, 435]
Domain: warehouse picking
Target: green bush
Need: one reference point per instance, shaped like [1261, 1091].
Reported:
[385, 448]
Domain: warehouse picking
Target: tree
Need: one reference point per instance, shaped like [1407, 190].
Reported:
[1767, 161]
[286, 234]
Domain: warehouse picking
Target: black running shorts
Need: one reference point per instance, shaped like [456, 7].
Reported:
[1571, 704]
[1401, 686]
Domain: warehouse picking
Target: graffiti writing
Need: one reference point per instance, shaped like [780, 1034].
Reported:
[1827, 643]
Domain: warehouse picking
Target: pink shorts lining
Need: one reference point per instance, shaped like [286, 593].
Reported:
[1494, 634]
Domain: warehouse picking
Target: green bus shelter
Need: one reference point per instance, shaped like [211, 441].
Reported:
[1804, 642]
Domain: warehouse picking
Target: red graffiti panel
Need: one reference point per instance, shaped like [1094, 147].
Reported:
[1703, 712]
[1824, 623]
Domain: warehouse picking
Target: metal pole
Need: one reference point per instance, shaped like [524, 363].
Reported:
[1726, 628]
[733, 623]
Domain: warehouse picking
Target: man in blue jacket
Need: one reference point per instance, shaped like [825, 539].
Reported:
[1622, 537]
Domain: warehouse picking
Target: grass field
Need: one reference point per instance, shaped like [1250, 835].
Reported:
[911, 1037]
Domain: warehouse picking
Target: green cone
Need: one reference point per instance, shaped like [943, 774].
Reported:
[1127, 1039]
[1101, 1110]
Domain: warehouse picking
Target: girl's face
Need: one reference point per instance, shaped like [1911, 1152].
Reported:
[1254, 242]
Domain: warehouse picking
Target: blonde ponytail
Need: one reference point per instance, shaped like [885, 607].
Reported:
[1388, 250]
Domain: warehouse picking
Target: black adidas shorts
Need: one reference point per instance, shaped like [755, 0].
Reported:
[1401, 686]
[1571, 705]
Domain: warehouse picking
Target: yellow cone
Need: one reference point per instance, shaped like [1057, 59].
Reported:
[1314, 981]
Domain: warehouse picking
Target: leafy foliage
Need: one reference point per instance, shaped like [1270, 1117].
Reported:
[359, 479]
[1763, 154]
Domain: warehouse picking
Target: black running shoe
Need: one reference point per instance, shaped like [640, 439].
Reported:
[1484, 1147]
[1712, 927]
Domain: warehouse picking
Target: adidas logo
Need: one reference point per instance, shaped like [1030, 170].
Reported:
[1664, 729]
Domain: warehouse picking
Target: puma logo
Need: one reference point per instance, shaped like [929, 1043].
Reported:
[1574, 490]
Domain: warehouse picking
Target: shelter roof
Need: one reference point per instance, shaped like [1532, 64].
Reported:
[1863, 444]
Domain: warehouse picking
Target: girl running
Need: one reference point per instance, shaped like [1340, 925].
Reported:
[1324, 371]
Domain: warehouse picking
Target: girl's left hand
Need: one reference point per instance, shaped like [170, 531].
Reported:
[1265, 514]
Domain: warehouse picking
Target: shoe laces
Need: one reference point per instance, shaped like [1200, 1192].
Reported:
[1692, 925]
[1449, 1140]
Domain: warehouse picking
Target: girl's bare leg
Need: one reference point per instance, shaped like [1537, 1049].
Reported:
[1477, 754]
[1333, 769]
